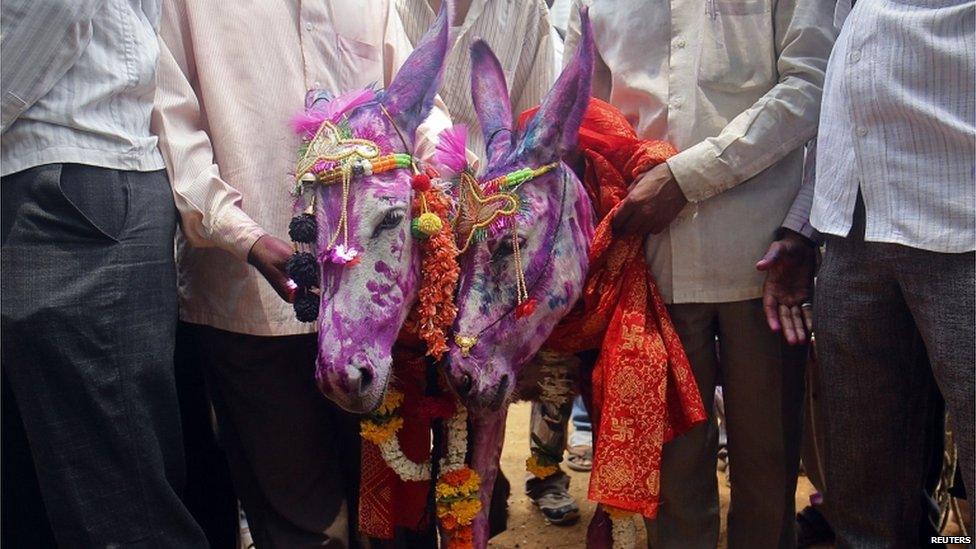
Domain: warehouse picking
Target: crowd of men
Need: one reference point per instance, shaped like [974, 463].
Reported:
[817, 139]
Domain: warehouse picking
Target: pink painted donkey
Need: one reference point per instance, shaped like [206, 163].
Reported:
[495, 335]
[370, 273]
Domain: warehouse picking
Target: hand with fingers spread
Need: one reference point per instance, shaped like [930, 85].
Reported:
[653, 201]
[269, 255]
[790, 264]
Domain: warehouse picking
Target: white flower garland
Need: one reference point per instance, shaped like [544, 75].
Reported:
[457, 449]
[403, 466]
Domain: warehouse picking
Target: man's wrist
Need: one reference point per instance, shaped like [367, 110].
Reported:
[784, 233]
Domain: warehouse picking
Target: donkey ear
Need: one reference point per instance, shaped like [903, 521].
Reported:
[410, 97]
[554, 129]
[489, 93]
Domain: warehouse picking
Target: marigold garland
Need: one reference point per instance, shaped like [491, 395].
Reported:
[379, 432]
[435, 309]
[540, 466]
[458, 504]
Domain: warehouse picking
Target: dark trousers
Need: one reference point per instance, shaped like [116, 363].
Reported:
[209, 493]
[293, 455]
[880, 307]
[88, 318]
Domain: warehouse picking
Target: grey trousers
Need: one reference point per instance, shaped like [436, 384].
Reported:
[293, 455]
[763, 388]
[878, 306]
[88, 318]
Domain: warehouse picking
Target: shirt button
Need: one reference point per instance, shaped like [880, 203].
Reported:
[855, 56]
[680, 43]
[862, 131]
[677, 103]
[317, 84]
[308, 27]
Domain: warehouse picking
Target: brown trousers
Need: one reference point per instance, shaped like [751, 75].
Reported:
[762, 380]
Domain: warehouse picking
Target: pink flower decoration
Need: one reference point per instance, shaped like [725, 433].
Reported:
[340, 255]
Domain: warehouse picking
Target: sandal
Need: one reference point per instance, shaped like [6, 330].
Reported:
[580, 458]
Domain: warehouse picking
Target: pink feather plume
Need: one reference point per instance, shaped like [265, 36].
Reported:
[451, 150]
[308, 122]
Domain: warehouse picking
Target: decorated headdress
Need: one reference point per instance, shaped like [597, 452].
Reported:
[332, 155]
[491, 208]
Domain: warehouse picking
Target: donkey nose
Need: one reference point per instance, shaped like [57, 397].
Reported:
[359, 376]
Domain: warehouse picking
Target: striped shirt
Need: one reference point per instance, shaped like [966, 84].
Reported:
[898, 123]
[519, 34]
[78, 79]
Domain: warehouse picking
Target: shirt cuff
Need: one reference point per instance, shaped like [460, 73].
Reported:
[236, 232]
[699, 172]
[805, 229]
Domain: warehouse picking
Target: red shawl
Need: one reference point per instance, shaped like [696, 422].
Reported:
[644, 393]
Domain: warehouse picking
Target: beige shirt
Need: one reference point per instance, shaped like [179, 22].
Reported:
[231, 76]
[518, 33]
[735, 85]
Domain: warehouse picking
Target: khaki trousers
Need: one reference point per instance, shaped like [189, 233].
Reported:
[763, 387]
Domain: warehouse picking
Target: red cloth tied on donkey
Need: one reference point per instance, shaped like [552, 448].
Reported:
[385, 501]
[644, 393]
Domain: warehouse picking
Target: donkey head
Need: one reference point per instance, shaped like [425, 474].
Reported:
[368, 260]
[526, 236]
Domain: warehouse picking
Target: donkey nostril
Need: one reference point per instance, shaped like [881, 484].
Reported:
[464, 387]
[365, 377]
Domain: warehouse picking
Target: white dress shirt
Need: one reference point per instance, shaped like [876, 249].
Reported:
[899, 124]
[231, 77]
[518, 32]
[735, 85]
[78, 78]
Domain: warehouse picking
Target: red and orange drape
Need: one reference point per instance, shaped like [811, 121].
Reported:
[643, 391]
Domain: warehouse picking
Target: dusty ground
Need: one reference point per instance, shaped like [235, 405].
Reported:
[526, 528]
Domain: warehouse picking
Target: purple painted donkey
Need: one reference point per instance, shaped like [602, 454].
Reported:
[493, 345]
[365, 301]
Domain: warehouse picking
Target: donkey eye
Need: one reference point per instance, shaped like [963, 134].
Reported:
[505, 248]
[391, 220]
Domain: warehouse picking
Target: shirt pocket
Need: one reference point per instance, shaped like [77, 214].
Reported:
[360, 42]
[736, 50]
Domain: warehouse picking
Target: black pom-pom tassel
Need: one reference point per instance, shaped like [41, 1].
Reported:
[303, 228]
[307, 307]
[303, 269]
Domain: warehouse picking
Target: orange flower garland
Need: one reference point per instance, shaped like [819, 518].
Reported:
[435, 309]
[458, 504]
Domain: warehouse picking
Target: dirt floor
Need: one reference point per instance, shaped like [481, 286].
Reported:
[526, 528]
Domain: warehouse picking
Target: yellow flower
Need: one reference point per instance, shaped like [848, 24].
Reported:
[391, 403]
[378, 433]
[465, 510]
[459, 483]
[429, 223]
[446, 491]
[539, 469]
